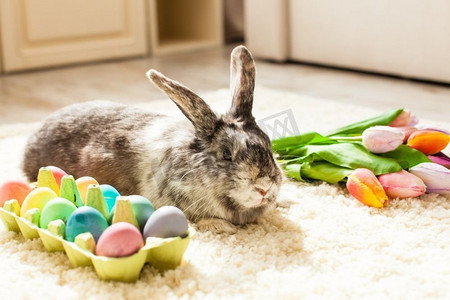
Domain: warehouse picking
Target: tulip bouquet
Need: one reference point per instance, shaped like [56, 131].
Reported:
[406, 157]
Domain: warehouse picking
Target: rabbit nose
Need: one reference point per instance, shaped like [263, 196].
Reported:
[262, 192]
[263, 189]
[263, 185]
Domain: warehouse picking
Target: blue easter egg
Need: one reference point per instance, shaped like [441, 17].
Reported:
[110, 194]
[85, 219]
[142, 208]
[167, 221]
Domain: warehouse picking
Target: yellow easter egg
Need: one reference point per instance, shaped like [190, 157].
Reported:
[37, 198]
[83, 184]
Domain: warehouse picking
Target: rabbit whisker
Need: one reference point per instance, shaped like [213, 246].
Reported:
[190, 171]
[195, 203]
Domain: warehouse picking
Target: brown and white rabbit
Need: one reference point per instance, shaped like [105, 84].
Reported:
[218, 169]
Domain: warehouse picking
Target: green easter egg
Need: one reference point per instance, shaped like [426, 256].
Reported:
[142, 208]
[57, 208]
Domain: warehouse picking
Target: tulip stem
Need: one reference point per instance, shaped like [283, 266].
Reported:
[347, 138]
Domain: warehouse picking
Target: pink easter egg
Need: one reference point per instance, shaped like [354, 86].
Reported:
[57, 173]
[119, 240]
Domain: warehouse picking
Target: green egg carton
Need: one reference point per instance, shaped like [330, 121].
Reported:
[52, 242]
[78, 257]
[29, 230]
[163, 254]
[10, 220]
[166, 254]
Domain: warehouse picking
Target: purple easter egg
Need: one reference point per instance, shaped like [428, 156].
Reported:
[167, 221]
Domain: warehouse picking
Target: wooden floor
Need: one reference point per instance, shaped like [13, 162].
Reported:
[29, 97]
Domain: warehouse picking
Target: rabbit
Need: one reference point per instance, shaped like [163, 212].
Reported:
[218, 169]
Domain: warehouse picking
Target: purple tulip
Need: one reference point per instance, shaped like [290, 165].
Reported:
[381, 139]
[441, 159]
[427, 127]
[435, 177]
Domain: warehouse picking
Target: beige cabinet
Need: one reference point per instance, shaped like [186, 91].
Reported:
[43, 33]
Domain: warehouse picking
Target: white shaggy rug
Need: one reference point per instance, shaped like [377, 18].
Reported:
[322, 244]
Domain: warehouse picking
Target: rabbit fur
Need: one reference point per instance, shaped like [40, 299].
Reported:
[218, 169]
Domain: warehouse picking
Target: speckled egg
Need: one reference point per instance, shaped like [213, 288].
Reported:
[85, 219]
[57, 208]
[167, 221]
[14, 189]
[110, 194]
[119, 240]
[37, 198]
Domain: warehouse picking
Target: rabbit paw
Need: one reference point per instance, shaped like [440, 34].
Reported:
[216, 225]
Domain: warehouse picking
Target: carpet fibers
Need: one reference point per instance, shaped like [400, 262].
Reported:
[320, 243]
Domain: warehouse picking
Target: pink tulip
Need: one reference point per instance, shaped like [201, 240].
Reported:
[381, 139]
[435, 177]
[441, 159]
[413, 122]
[407, 131]
[403, 119]
[402, 184]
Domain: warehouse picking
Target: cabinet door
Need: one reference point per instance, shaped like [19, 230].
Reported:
[42, 33]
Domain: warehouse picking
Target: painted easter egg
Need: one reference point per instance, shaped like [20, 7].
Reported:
[110, 194]
[167, 221]
[83, 184]
[142, 208]
[14, 189]
[37, 198]
[85, 219]
[57, 208]
[58, 173]
[119, 240]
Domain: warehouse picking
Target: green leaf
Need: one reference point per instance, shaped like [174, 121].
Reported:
[293, 171]
[357, 128]
[350, 155]
[290, 159]
[324, 171]
[286, 144]
[406, 156]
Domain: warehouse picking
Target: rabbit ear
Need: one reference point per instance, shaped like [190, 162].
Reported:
[192, 106]
[242, 83]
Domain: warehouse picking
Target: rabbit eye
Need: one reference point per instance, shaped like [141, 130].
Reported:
[227, 154]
